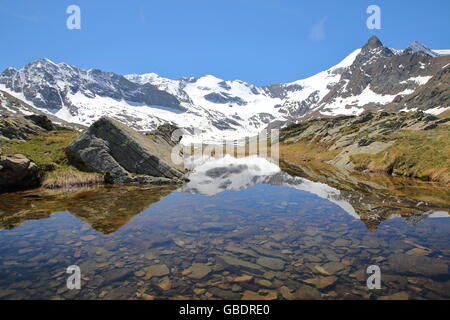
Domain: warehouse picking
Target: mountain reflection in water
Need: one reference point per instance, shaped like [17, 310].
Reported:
[107, 209]
[368, 200]
[295, 232]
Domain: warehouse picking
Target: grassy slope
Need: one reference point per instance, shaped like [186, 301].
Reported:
[47, 151]
[417, 154]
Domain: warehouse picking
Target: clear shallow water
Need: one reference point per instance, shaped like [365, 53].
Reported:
[242, 229]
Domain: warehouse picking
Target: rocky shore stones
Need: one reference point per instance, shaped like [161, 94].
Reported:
[126, 156]
[18, 172]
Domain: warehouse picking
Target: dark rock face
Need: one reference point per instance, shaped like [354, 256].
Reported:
[126, 156]
[18, 172]
[224, 98]
[375, 45]
[384, 72]
[41, 121]
[435, 94]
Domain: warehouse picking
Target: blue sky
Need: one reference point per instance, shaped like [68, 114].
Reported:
[259, 41]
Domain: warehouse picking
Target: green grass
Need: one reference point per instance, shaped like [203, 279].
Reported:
[416, 153]
[47, 151]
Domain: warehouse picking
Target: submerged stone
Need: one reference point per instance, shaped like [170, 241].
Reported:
[199, 271]
[157, 271]
[239, 262]
[405, 263]
[322, 282]
[271, 263]
[307, 293]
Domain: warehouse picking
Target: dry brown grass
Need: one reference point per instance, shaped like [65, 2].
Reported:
[445, 114]
[302, 151]
[70, 178]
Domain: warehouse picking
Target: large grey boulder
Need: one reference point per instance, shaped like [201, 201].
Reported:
[18, 172]
[126, 156]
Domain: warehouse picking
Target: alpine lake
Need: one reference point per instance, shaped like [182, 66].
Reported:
[240, 229]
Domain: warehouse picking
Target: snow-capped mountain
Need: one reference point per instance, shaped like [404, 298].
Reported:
[369, 78]
[380, 76]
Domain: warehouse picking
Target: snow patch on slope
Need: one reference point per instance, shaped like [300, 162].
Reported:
[353, 105]
[321, 83]
[437, 111]
[444, 52]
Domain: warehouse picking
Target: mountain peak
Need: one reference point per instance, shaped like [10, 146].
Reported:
[42, 62]
[375, 46]
[417, 46]
[373, 43]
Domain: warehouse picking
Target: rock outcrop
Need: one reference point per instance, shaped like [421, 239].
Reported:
[25, 127]
[42, 121]
[126, 156]
[17, 128]
[18, 172]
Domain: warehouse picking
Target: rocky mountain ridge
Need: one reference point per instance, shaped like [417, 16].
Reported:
[371, 78]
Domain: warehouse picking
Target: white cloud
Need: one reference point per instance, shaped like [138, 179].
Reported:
[317, 31]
